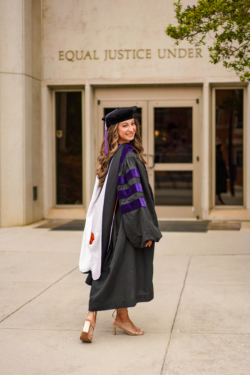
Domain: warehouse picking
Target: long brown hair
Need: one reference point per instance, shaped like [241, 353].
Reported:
[113, 137]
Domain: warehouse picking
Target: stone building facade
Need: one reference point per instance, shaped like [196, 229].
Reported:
[64, 64]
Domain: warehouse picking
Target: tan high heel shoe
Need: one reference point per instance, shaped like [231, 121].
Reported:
[137, 331]
[87, 327]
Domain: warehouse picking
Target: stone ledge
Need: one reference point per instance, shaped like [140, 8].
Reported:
[66, 213]
[229, 214]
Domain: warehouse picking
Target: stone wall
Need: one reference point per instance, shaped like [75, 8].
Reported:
[84, 39]
[20, 112]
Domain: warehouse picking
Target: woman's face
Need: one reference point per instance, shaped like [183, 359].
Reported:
[126, 131]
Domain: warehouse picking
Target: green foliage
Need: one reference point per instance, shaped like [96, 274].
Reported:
[226, 23]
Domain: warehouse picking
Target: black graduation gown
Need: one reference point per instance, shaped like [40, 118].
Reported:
[127, 265]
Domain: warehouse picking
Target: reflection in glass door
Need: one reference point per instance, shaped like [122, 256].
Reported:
[173, 188]
[68, 148]
[229, 147]
[173, 135]
[173, 167]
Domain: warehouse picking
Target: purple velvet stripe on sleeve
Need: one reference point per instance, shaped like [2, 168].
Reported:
[126, 193]
[128, 207]
[126, 148]
[121, 180]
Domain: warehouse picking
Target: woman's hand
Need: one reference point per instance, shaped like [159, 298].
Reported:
[148, 244]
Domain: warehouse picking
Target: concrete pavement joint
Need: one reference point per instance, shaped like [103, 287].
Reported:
[44, 252]
[218, 283]
[161, 255]
[203, 255]
[70, 330]
[32, 299]
[211, 333]
[172, 328]
[120, 332]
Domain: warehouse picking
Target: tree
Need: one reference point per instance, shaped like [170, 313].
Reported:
[226, 23]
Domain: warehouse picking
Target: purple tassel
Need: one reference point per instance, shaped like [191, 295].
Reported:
[106, 139]
[106, 133]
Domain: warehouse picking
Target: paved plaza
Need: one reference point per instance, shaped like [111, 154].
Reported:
[197, 324]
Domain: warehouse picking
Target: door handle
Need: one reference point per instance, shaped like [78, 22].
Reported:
[59, 134]
[153, 161]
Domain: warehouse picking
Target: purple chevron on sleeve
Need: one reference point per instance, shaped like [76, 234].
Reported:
[126, 148]
[128, 207]
[126, 193]
[121, 180]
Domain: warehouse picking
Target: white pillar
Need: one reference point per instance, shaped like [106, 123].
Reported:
[205, 136]
[89, 144]
[20, 117]
[47, 150]
[247, 145]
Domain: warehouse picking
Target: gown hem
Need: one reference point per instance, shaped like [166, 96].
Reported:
[120, 306]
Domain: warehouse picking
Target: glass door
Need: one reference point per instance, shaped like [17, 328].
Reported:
[228, 149]
[173, 164]
[68, 150]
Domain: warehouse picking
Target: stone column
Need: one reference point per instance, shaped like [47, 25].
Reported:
[20, 112]
[247, 145]
[89, 142]
[205, 171]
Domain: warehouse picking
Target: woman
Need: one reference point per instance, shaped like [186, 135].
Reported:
[121, 227]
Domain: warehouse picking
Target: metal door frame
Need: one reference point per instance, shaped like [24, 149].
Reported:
[163, 212]
[177, 211]
[213, 144]
[53, 129]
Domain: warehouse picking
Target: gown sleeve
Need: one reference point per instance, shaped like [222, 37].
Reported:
[136, 203]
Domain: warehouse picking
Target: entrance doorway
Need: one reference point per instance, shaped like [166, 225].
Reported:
[173, 145]
[229, 148]
[68, 148]
[170, 137]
